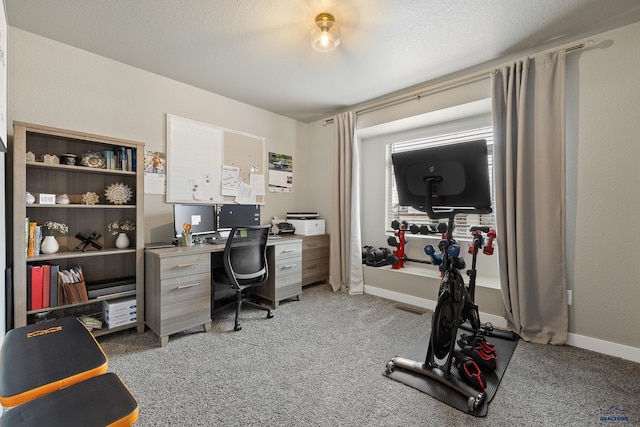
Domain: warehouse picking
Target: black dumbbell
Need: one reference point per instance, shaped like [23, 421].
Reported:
[396, 225]
[365, 252]
[377, 255]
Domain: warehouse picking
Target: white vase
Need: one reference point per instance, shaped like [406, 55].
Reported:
[49, 245]
[122, 241]
[30, 198]
[62, 199]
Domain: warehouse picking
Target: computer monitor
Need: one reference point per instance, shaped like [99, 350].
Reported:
[232, 215]
[201, 217]
[459, 174]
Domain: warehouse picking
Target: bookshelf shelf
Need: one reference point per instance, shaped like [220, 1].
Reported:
[81, 206]
[77, 169]
[81, 304]
[109, 263]
[79, 254]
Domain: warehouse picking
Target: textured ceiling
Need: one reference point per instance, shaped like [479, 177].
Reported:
[258, 52]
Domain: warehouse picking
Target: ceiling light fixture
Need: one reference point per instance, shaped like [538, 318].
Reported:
[325, 35]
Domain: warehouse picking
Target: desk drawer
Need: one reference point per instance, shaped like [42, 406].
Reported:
[287, 250]
[184, 265]
[315, 270]
[314, 247]
[185, 302]
[287, 272]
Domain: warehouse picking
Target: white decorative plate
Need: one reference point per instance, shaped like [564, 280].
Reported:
[90, 198]
[93, 160]
[118, 193]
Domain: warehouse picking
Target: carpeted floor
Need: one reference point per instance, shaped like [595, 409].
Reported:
[319, 362]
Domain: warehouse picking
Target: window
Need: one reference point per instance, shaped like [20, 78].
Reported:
[413, 216]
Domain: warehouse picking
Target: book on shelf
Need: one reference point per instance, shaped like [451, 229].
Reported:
[26, 236]
[36, 287]
[108, 158]
[46, 285]
[129, 159]
[53, 285]
[120, 156]
[31, 246]
[29, 268]
[134, 160]
[38, 240]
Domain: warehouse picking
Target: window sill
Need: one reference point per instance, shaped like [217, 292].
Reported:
[428, 270]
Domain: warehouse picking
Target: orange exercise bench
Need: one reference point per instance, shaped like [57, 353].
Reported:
[55, 371]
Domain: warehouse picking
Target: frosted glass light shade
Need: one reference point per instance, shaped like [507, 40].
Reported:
[325, 35]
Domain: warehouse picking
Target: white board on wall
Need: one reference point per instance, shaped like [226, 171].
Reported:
[196, 155]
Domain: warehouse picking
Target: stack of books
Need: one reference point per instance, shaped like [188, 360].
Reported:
[119, 312]
[120, 158]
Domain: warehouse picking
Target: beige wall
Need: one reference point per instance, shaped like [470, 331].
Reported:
[603, 188]
[603, 195]
[57, 85]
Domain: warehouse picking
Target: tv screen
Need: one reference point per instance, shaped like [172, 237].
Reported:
[201, 217]
[459, 173]
[230, 216]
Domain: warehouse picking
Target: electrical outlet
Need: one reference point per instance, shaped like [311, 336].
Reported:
[569, 297]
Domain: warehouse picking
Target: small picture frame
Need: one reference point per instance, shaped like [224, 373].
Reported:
[46, 199]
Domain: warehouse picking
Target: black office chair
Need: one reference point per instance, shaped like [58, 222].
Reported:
[245, 266]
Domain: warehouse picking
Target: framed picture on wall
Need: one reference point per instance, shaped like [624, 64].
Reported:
[3, 77]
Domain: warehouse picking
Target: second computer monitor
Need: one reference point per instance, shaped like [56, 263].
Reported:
[202, 219]
[232, 215]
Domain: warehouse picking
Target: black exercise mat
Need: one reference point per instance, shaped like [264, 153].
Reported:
[418, 352]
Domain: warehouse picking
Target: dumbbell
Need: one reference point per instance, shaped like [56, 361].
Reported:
[419, 229]
[397, 225]
[377, 255]
[488, 249]
[365, 252]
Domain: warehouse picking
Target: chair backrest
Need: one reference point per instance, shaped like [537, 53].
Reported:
[245, 255]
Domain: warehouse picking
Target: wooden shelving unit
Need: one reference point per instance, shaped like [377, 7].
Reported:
[37, 178]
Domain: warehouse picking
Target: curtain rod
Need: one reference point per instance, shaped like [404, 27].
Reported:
[429, 90]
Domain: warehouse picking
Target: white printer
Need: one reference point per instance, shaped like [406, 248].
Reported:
[306, 223]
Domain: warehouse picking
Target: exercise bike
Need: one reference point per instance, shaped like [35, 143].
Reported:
[455, 306]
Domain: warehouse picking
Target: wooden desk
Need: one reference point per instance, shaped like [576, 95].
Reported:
[178, 283]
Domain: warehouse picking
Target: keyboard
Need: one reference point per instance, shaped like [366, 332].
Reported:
[218, 241]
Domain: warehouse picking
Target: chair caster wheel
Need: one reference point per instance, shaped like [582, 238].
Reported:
[390, 366]
[237, 328]
[269, 315]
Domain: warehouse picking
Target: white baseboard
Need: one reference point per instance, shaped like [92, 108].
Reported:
[593, 344]
[605, 347]
[497, 321]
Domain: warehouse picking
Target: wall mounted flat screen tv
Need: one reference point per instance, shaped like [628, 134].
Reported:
[459, 174]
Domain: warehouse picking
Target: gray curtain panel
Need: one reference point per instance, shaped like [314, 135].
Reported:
[346, 253]
[529, 164]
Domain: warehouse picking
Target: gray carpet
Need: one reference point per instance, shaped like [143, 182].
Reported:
[319, 362]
